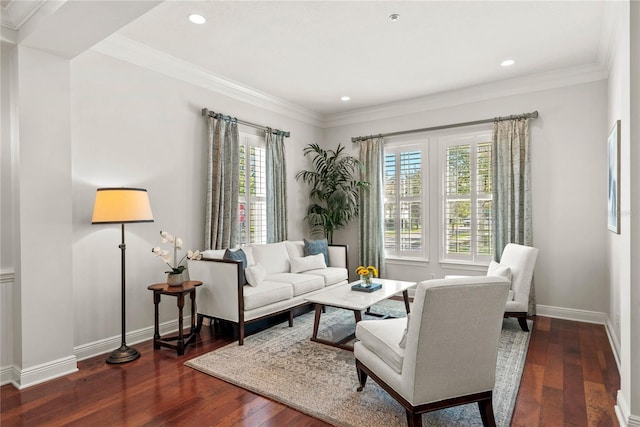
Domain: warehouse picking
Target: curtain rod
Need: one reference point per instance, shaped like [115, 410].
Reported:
[533, 115]
[206, 112]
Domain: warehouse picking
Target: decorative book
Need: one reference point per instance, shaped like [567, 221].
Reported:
[360, 288]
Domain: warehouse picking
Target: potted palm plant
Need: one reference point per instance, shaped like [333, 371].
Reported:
[334, 189]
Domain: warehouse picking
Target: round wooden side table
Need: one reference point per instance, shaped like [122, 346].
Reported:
[181, 341]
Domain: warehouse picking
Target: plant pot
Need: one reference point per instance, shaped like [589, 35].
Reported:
[175, 279]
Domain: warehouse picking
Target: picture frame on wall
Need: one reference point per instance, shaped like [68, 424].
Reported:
[613, 206]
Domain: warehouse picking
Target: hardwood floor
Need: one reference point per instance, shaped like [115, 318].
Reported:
[570, 379]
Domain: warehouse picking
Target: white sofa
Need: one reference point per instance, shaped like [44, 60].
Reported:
[224, 296]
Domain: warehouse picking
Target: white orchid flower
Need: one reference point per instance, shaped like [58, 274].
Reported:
[178, 243]
[156, 250]
[194, 255]
[166, 237]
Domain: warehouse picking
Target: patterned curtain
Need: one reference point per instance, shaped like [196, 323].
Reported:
[276, 188]
[372, 204]
[223, 184]
[512, 188]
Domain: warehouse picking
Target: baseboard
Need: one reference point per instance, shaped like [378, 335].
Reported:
[613, 341]
[572, 314]
[625, 419]
[107, 345]
[6, 375]
[23, 378]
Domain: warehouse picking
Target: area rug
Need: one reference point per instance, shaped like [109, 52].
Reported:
[281, 363]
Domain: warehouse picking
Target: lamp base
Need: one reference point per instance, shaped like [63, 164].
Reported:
[123, 354]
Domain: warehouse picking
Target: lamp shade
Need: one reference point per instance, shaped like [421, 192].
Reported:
[121, 205]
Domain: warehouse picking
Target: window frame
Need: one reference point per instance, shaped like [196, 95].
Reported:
[396, 147]
[472, 138]
[248, 141]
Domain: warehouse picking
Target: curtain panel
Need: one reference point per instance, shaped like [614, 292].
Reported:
[276, 188]
[223, 184]
[512, 188]
[372, 204]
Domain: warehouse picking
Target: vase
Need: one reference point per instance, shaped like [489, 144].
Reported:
[365, 280]
[175, 279]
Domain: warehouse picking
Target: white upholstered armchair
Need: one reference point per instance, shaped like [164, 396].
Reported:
[451, 347]
[521, 261]
[516, 265]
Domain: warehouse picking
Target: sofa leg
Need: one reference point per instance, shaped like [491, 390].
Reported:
[362, 378]
[291, 318]
[241, 333]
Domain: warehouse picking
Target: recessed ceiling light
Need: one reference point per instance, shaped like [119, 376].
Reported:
[394, 17]
[507, 62]
[345, 98]
[197, 19]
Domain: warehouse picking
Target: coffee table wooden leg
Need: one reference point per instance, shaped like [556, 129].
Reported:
[405, 295]
[316, 320]
[358, 315]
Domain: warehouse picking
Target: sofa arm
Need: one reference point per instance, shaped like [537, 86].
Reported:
[221, 294]
[339, 256]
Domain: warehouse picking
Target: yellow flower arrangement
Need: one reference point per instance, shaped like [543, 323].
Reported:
[366, 271]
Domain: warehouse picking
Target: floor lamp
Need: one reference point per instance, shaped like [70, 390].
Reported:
[121, 206]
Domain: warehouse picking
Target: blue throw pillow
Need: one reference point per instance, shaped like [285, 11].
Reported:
[238, 255]
[315, 247]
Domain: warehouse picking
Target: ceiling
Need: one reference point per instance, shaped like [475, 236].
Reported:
[311, 53]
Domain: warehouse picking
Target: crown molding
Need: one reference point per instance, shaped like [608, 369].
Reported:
[133, 52]
[516, 86]
[136, 53]
[15, 13]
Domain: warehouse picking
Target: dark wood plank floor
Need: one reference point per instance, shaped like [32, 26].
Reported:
[570, 379]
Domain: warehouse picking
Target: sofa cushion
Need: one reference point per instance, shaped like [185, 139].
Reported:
[498, 270]
[267, 293]
[238, 255]
[272, 256]
[381, 337]
[295, 248]
[301, 283]
[331, 275]
[306, 263]
[314, 247]
[255, 274]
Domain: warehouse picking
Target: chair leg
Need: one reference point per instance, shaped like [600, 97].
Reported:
[523, 323]
[413, 419]
[362, 378]
[486, 412]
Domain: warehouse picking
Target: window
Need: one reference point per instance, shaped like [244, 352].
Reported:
[467, 195]
[252, 203]
[404, 206]
[438, 197]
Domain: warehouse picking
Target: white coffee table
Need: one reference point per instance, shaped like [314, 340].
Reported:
[356, 301]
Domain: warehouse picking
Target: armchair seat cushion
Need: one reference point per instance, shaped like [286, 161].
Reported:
[382, 337]
[267, 293]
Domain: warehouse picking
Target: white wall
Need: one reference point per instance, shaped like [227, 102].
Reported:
[568, 184]
[41, 217]
[135, 127]
[623, 249]
[6, 218]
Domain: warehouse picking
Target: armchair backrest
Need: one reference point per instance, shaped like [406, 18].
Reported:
[522, 261]
[452, 339]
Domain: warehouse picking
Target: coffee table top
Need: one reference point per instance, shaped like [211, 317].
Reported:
[343, 297]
